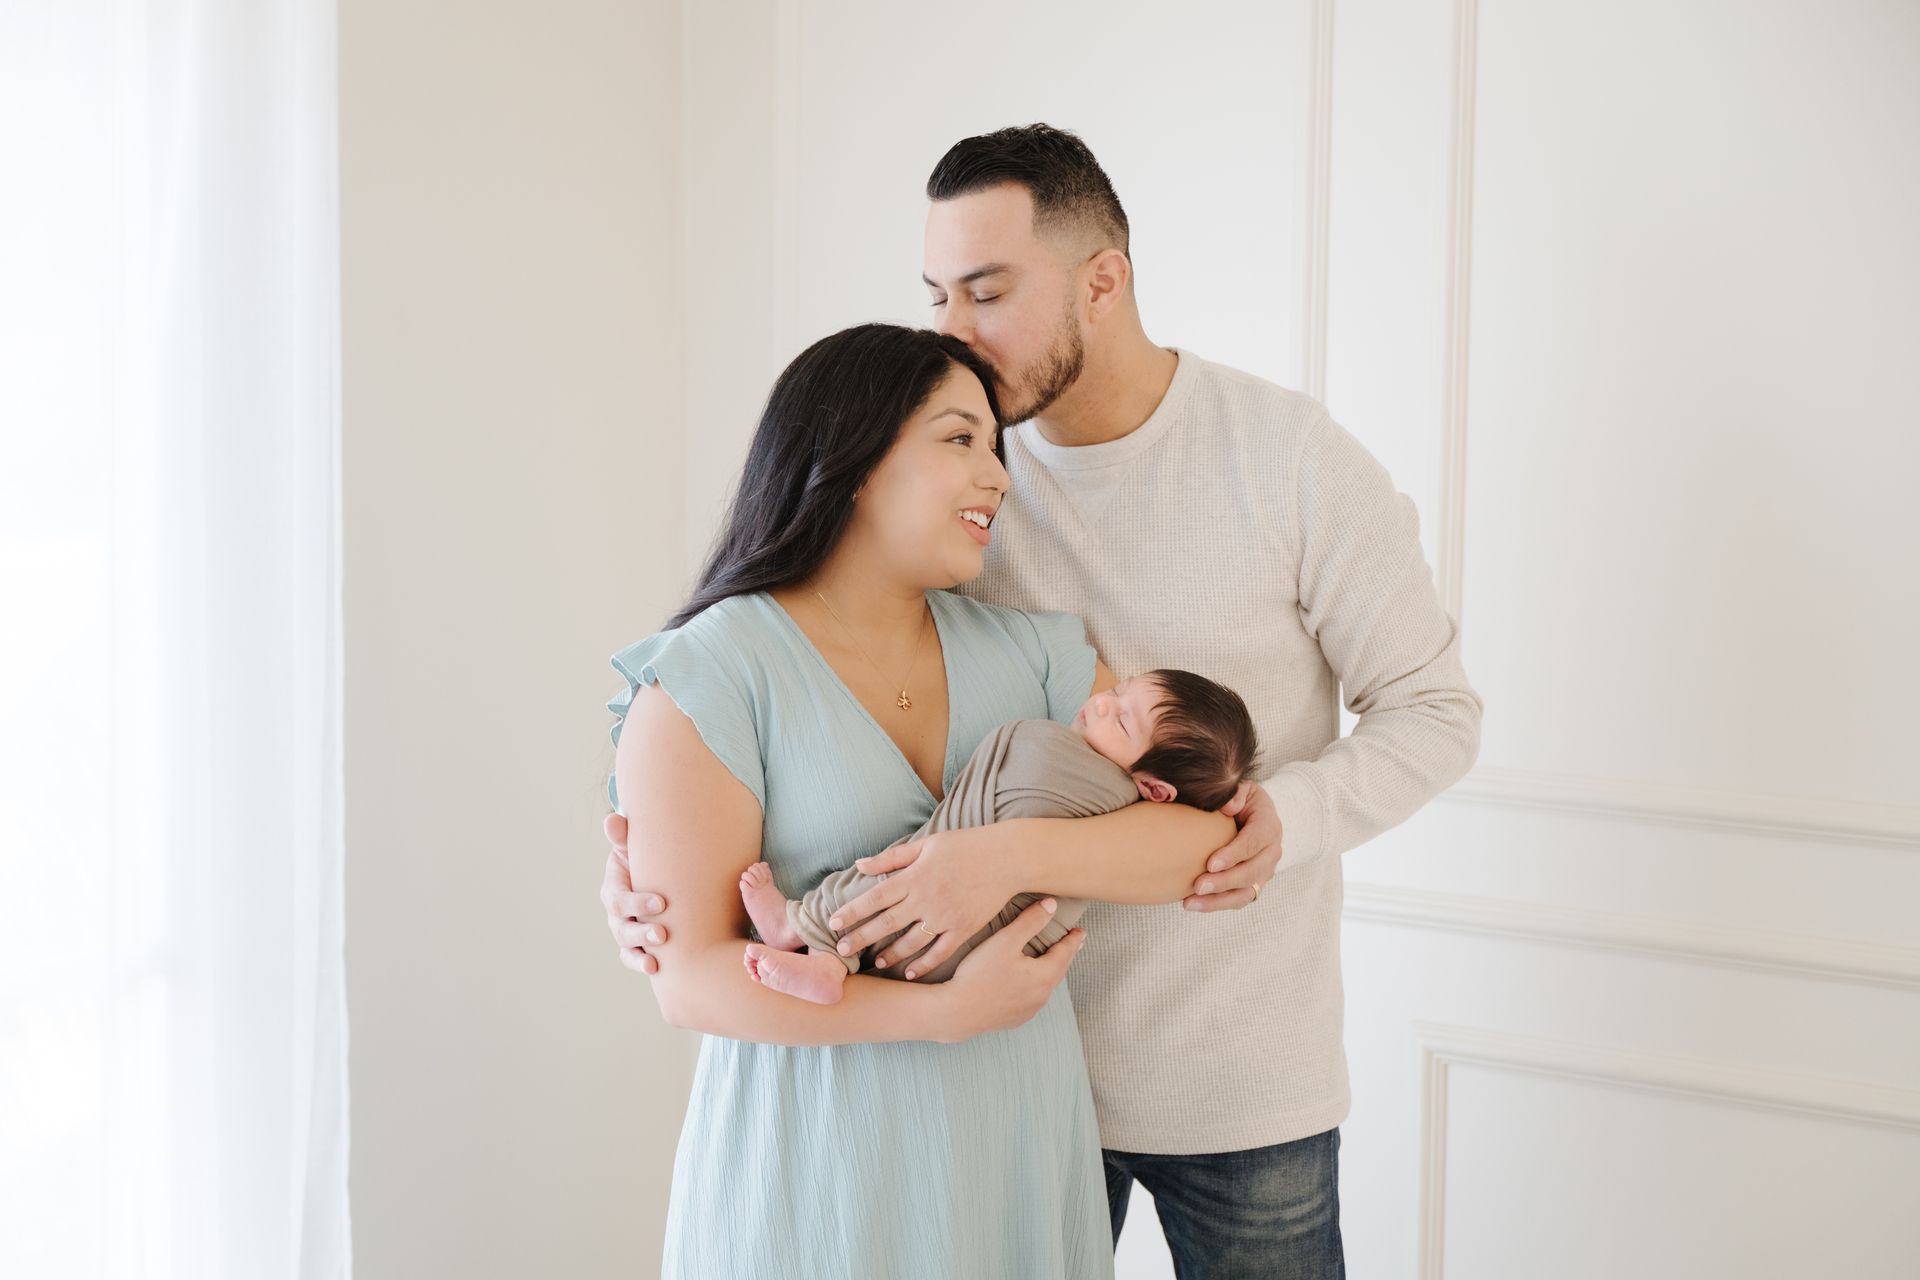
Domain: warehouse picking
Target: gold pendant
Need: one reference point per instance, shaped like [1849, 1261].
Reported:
[903, 701]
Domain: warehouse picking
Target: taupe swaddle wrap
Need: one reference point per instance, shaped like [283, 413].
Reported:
[1023, 769]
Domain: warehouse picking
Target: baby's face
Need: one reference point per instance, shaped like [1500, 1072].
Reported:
[1121, 722]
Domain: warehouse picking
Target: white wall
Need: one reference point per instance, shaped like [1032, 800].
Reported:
[514, 447]
[1640, 998]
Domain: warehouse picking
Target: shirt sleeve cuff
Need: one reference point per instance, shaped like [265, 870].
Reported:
[1303, 824]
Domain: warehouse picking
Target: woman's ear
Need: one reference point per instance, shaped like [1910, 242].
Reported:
[1152, 788]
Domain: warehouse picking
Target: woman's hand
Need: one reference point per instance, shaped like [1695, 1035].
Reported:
[953, 882]
[998, 985]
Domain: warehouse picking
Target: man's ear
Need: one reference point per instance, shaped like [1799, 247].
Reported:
[1107, 277]
[1152, 788]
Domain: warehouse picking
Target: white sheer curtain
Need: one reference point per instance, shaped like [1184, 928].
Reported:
[172, 1020]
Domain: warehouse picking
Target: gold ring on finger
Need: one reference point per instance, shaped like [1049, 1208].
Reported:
[921, 925]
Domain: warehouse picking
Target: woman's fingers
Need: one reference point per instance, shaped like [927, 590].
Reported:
[879, 864]
[1061, 953]
[934, 956]
[892, 920]
[908, 946]
[872, 902]
[1027, 925]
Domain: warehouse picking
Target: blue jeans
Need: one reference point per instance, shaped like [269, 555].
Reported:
[1272, 1212]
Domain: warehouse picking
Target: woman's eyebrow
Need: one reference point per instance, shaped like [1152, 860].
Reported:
[962, 413]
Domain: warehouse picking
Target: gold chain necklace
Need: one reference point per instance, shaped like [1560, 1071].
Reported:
[903, 701]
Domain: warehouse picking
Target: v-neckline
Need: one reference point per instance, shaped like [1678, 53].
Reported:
[946, 666]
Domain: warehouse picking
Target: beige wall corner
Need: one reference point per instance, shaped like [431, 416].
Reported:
[514, 469]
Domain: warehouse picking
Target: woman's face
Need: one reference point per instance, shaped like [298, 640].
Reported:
[922, 510]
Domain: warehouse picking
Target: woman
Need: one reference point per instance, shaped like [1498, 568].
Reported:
[807, 705]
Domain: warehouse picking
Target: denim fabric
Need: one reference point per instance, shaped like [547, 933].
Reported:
[1272, 1212]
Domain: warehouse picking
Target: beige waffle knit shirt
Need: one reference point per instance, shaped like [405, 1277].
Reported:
[1241, 534]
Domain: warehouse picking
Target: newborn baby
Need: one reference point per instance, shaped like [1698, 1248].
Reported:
[1164, 736]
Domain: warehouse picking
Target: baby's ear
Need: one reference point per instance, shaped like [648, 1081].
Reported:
[1152, 788]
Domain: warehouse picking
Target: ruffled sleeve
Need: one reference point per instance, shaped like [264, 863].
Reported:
[1062, 659]
[706, 690]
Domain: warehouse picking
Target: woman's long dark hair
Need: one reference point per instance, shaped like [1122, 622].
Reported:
[831, 418]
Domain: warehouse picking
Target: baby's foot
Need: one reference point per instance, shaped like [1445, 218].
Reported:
[767, 908]
[818, 976]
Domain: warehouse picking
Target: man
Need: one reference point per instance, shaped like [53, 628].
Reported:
[1273, 555]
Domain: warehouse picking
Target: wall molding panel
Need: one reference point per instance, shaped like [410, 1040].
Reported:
[1765, 815]
[1789, 954]
[1745, 813]
[1443, 1046]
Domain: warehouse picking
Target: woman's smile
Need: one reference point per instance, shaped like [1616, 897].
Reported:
[977, 529]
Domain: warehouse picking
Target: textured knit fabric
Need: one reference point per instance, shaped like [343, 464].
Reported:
[1241, 534]
[1024, 769]
[911, 1159]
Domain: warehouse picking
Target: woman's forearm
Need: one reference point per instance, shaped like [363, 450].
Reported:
[1143, 853]
[706, 988]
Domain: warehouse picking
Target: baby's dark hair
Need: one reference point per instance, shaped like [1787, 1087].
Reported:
[1204, 746]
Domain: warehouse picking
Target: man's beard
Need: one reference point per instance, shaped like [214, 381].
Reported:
[1050, 376]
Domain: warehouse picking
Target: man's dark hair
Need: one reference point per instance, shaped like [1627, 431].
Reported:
[1067, 184]
[1204, 745]
[832, 416]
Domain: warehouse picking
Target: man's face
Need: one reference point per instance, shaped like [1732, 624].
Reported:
[1007, 293]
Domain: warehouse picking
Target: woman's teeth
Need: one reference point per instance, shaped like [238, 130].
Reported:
[974, 517]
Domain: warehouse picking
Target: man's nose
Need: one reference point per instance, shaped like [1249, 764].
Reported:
[955, 321]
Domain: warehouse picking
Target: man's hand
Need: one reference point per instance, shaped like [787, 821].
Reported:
[629, 914]
[953, 882]
[1237, 871]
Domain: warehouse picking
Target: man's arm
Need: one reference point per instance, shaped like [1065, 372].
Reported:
[631, 916]
[1367, 595]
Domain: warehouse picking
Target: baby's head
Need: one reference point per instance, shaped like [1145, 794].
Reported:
[1182, 736]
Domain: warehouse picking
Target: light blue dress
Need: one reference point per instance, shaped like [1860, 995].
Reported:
[903, 1161]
